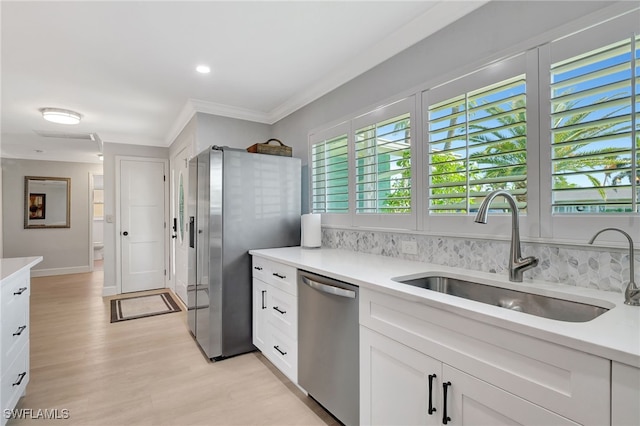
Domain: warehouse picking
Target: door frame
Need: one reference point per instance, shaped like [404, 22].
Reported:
[186, 148]
[118, 235]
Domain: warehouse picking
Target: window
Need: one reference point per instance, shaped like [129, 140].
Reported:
[383, 166]
[98, 204]
[478, 144]
[594, 131]
[330, 175]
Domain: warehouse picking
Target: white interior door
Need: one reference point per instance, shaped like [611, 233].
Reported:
[142, 223]
[179, 240]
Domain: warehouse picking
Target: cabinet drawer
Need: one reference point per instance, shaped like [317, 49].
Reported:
[283, 277]
[15, 290]
[259, 268]
[283, 312]
[571, 383]
[14, 379]
[283, 352]
[14, 329]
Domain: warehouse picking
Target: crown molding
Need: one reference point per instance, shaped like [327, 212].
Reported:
[441, 14]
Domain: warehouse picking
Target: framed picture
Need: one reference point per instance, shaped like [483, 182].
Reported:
[37, 206]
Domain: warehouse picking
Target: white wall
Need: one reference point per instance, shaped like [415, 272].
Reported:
[64, 250]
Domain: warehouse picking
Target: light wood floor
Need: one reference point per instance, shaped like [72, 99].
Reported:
[147, 371]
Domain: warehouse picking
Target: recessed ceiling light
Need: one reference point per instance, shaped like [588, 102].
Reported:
[61, 116]
[203, 69]
[101, 157]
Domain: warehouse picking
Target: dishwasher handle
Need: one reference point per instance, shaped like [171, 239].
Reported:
[326, 288]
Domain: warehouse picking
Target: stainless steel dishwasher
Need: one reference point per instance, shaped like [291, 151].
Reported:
[328, 344]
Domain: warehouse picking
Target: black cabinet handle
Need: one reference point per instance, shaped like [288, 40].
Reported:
[264, 292]
[432, 409]
[125, 233]
[20, 330]
[279, 276]
[259, 268]
[192, 237]
[20, 291]
[445, 418]
[279, 310]
[279, 350]
[20, 378]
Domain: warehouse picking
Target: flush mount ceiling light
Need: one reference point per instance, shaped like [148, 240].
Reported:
[203, 69]
[61, 116]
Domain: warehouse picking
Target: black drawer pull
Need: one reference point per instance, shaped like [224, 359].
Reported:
[20, 378]
[279, 275]
[445, 418]
[279, 350]
[258, 268]
[20, 291]
[20, 330]
[279, 310]
[432, 409]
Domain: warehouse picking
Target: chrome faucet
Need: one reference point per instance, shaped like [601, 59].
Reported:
[517, 264]
[632, 293]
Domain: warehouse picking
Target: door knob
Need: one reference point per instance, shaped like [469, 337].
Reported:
[125, 233]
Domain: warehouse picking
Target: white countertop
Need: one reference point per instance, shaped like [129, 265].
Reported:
[613, 335]
[13, 265]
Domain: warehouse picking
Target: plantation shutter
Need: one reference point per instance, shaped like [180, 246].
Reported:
[478, 144]
[330, 176]
[383, 166]
[594, 128]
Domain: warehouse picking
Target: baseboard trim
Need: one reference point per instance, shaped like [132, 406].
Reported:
[59, 271]
[109, 291]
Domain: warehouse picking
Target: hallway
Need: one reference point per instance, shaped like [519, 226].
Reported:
[147, 371]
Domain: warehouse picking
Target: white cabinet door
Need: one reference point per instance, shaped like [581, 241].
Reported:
[473, 402]
[625, 395]
[394, 383]
[260, 314]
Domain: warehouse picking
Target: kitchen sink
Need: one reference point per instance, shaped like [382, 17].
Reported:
[534, 304]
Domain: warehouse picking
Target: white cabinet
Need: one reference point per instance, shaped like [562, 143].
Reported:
[275, 314]
[14, 341]
[493, 375]
[625, 395]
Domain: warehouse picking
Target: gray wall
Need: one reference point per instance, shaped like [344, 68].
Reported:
[65, 250]
[224, 131]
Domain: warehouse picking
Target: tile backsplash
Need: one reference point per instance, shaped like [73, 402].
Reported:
[590, 267]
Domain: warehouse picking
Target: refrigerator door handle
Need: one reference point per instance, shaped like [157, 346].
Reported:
[325, 288]
[192, 223]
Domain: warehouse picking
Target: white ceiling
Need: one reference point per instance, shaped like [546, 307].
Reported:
[129, 67]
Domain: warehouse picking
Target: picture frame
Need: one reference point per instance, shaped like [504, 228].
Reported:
[37, 206]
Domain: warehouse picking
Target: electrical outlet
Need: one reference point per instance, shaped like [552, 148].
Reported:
[409, 247]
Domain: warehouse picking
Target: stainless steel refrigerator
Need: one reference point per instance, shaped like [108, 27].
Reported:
[237, 201]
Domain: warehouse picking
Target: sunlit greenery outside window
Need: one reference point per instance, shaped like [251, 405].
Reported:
[383, 166]
[595, 130]
[478, 144]
[330, 175]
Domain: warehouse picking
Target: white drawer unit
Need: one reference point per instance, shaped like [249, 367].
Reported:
[275, 314]
[14, 330]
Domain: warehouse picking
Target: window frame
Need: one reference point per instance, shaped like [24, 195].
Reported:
[572, 227]
[449, 223]
[322, 136]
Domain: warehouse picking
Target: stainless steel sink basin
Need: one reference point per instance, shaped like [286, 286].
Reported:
[534, 304]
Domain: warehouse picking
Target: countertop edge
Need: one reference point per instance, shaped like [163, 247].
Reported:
[13, 265]
[603, 336]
